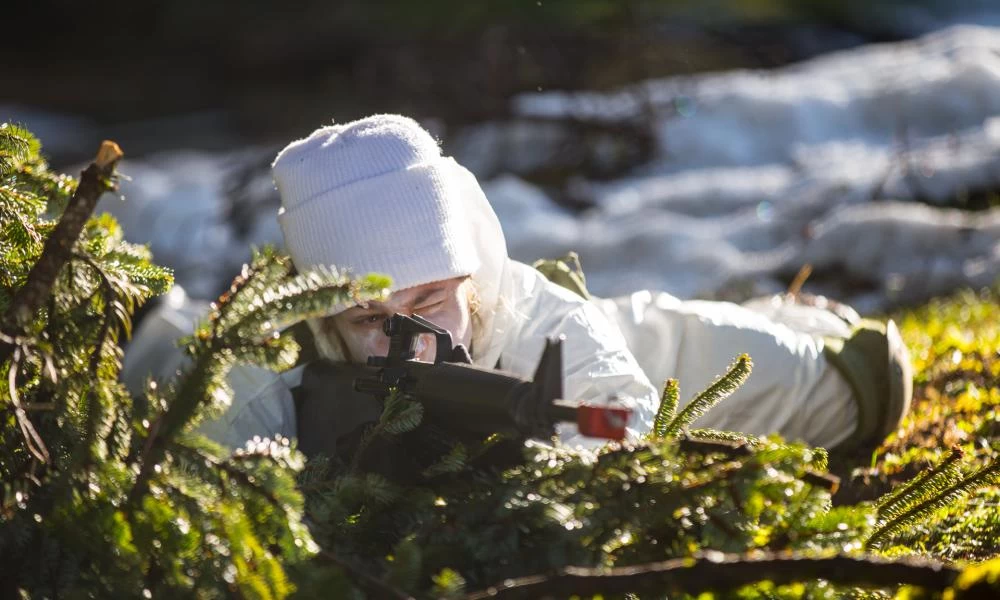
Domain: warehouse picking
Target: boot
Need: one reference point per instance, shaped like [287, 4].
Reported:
[869, 355]
[876, 364]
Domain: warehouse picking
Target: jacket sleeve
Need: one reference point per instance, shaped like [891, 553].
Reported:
[599, 369]
[597, 365]
[262, 406]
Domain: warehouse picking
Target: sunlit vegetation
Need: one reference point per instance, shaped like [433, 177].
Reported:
[108, 495]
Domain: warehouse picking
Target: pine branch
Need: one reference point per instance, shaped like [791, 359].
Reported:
[454, 461]
[720, 572]
[243, 478]
[987, 475]
[718, 391]
[733, 449]
[200, 377]
[34, 442]
[373, 586]
[94, 181]
[16, 143]
[260, 265]
[668, 408]
[399, 415]
[922, 485]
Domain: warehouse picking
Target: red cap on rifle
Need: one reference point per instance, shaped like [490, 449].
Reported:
[602, 421]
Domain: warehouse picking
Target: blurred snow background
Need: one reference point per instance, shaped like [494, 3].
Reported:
[864, 163]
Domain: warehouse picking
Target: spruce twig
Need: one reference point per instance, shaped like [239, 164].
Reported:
[733, 449]
[718, 391]
[94, 181]
[668, 407]
[93, 415]
[986, 475]
[917, 488]
[230, 471]
[720, 572]
[399, 415]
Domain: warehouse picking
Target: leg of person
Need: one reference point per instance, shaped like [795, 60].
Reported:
[868, 354]
[792, 390]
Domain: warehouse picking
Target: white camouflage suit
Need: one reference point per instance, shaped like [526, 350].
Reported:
[624, 347]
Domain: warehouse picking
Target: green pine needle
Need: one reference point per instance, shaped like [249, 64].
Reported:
[736, 375]
[985, 476]
[668, 408]
[929, 481]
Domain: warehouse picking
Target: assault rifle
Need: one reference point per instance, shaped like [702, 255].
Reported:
[455, 394]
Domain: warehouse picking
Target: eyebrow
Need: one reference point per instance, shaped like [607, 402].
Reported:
[374, 307]
[424, 296]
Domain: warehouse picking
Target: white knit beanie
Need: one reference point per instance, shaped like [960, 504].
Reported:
[375, 196]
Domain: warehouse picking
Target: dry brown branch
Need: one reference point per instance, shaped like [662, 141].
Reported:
[94, 181]
[721, 572]
[800, 278]
[34, 442]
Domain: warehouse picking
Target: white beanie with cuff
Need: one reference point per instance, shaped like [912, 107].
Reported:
[375, 196]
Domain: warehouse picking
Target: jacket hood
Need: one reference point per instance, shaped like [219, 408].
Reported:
[494, 278]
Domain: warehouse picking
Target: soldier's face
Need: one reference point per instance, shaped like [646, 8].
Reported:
[444, 303]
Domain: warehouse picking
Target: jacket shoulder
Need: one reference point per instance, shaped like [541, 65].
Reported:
[532, 288]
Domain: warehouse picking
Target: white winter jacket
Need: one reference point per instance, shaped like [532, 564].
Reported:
[792, 391]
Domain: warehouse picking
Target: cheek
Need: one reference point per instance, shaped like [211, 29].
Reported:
[361, 341]
[455, 318]
[365, 342]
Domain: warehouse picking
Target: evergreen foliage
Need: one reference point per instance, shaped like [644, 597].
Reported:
[621, 512]
[111, 496]
[668, 407]
[104, 495]
[735, 377]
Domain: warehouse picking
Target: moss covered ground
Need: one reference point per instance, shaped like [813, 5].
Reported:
[955, 351]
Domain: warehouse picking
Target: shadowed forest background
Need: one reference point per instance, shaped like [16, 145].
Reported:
[219, 74]
[605, 128]
[708, 149]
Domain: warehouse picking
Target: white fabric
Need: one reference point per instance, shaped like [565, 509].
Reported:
[596, 363]
[793, 391]
[152, 352]
[374, 196]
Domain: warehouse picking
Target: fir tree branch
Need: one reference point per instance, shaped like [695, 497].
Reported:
[720, 572]
[109, 298]
[668, 407]
[230, 471]
[906, 495]
[723, 387]
[374, 587]
[94, 181]
[108, 291]
[986, 475]
[689, 443]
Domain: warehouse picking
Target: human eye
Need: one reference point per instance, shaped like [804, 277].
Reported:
[368, 319]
